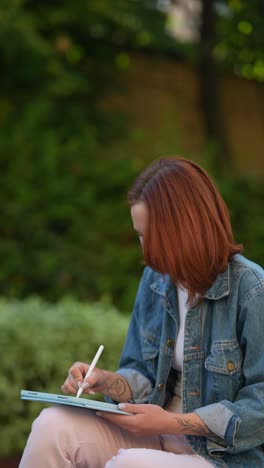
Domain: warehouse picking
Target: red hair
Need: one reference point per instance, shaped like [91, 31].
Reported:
[189, 234]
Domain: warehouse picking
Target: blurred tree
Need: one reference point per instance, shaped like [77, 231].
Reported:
[232, 38]
[210, 93]
[226, 35]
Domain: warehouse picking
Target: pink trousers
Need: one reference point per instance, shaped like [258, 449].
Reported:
[66, 437]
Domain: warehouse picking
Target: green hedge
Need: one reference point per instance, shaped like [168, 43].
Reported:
[38, 343]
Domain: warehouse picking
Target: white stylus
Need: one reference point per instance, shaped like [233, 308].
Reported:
[91, 368]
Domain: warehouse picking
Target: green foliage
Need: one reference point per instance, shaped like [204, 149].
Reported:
[60, 209]
[245, 199]
[244, 196]
[38, 344]
[240, 41]
[65, 226]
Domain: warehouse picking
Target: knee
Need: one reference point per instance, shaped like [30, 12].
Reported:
[52, 426]
[49, 420]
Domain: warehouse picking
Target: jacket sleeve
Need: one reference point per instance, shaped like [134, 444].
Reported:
[240, 424]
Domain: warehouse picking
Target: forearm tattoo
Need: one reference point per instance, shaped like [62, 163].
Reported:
[118, 388]
[193, 428]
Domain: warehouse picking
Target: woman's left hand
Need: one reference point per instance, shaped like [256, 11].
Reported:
[145, 420]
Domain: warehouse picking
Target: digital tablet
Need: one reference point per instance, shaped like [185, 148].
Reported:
[71, 401]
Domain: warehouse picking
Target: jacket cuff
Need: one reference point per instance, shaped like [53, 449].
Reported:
[140, 386]
[220, 420]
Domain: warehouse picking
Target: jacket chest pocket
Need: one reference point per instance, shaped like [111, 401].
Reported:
[224, 370]
[150, 353]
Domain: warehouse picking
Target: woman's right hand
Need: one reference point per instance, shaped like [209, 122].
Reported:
[105, 382]
[95, 383]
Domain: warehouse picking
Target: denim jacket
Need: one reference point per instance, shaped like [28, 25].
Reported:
[223, 365]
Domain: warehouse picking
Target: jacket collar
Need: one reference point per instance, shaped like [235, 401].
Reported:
[162, 284]
[220, 288]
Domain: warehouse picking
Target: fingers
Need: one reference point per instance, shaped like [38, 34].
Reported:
[92, 380]
[70, 385]
[131, 408]
[86, 387]
[90, 384]
[75, 378]
[121, 419]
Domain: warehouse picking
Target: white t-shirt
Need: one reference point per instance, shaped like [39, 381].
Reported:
[177, 359]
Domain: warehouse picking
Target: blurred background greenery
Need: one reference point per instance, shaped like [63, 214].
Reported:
[91, 92]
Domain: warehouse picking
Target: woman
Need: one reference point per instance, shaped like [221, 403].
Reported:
[192, 369]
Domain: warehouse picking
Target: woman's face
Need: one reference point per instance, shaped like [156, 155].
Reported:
[139, 216]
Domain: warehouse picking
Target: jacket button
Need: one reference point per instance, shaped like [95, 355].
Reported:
[160, 386]
[230, 366]
[170, 343]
